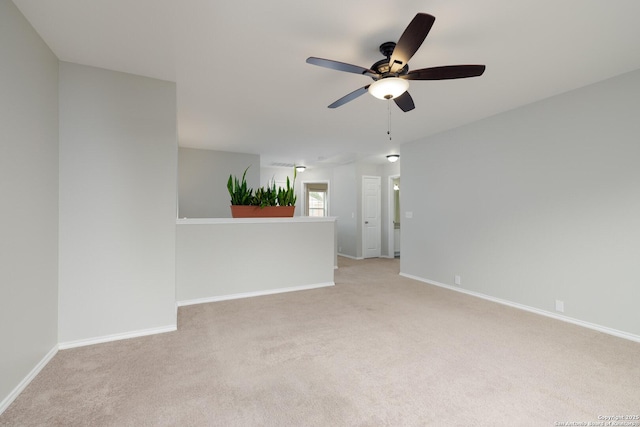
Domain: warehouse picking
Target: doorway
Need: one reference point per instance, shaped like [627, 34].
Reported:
[394, 217]
[316, 198]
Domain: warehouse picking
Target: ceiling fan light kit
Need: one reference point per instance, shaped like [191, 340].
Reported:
[388, 88]
[391, 75]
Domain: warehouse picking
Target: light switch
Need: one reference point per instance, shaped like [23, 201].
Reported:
[408, 214]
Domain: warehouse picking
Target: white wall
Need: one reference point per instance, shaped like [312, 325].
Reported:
[223, 258]
[535, 204]
[344, 206]
[268, 174]
[118, 173]
[29, 193]
[202, 180]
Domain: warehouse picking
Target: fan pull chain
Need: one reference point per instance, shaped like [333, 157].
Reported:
[389, 122]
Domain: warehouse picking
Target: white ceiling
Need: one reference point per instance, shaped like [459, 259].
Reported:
[243, 84]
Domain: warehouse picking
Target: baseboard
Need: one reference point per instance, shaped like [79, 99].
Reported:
[25, 382]
[252, 294]
[349, 256]
[595, 327]
[116, 337]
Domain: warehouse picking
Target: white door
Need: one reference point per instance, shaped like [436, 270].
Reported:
[371, 216]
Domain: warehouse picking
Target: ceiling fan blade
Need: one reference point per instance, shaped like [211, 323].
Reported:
[446, 72]
[350, 97]
[411, 40]
[341, 66]
[405, 102]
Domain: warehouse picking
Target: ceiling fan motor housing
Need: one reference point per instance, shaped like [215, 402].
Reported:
[382, 67]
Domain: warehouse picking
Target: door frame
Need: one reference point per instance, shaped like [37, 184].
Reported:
[391, 252]
[303, 190]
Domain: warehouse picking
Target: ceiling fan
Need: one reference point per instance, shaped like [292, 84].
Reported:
[391, 74]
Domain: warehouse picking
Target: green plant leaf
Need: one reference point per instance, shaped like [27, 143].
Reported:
[240, 193]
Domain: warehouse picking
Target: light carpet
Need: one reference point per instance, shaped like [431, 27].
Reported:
[377, 349]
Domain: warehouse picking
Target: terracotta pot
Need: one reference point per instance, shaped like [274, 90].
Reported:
[238, 211]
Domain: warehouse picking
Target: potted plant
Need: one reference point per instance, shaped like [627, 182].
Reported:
[264, 202]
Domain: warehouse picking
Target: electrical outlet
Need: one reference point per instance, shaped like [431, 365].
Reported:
[560, 306]
[457, 280]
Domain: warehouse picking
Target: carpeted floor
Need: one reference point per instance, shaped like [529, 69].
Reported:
[377, 349]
